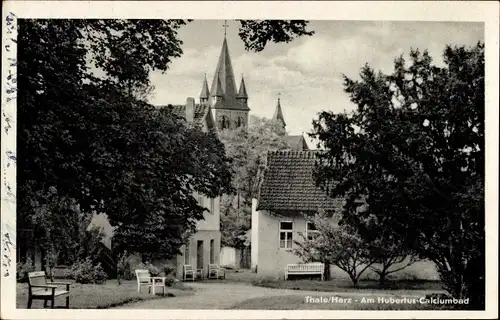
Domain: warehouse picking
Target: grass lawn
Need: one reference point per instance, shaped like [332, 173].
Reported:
[100, 296]
[344, 285]
[299, 302]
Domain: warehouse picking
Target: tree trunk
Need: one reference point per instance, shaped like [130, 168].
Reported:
[326, 272]
[238, 213]
[118, 277]
[43, 259]
[354, 281]
[381, 280]
[51, 272]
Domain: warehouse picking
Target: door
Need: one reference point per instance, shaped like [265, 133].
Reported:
[199, 255]
[212, 251]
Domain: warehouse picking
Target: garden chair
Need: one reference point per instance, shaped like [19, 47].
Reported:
[214, 272]
[188, 273]
[143, 279]
[40, 289]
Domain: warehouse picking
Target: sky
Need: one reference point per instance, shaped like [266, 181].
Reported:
[307, 72]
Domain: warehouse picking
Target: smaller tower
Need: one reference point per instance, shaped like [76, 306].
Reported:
[205, 94]
[242, 95]
[278, 114]
[218, 95]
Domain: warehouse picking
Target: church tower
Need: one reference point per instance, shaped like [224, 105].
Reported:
[229, 105]
[205, 94]
[278, 115]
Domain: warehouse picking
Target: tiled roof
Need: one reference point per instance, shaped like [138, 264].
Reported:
[296, 143]
[180, 110]
[289, 184]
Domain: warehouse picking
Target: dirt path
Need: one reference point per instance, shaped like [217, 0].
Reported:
[226, 295]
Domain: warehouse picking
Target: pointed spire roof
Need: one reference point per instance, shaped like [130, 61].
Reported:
[242, 93]
[205, 94]
[224, 72]
[217, 91]
[278, 114]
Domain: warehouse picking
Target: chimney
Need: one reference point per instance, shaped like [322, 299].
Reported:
[190, 106]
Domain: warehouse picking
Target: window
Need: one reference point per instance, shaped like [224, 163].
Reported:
[199, 198]
[311, 230]
[186, 254]
[240, 122]
[212, 205]
[223, 122]
[212, 251]
[286, 235]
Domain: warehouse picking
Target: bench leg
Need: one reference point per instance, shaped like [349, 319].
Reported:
[45, 303]
[53, 302]
[67, 302]
[30, 301]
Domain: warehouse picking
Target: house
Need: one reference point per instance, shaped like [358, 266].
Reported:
[288, 194]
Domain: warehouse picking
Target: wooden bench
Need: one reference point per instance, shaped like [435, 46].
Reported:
[315, 268]
[40, 289]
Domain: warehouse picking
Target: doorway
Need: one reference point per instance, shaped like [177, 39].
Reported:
[199, 255]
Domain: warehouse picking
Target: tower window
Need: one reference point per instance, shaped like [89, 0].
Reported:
[240, 122]
[223, 122]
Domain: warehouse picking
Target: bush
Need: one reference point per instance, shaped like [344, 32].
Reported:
[86, 272]
[154, 271]
[169, 270]
[22, 270]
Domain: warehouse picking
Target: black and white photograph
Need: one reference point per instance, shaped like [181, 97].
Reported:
[194, 163]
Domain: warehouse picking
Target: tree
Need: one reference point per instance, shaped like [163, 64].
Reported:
[384, 246]
[389, 256]
[414, 147]
[257, 33]
[247, 147]
[335, 244]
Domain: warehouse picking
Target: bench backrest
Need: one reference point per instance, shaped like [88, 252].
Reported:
[305, 267]
[143, 276]
[213, 267]
[188, 267]
[37, 278]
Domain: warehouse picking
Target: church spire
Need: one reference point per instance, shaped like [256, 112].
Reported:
[278, 114]
[224, 72]
[205, 94]
[242, 93]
